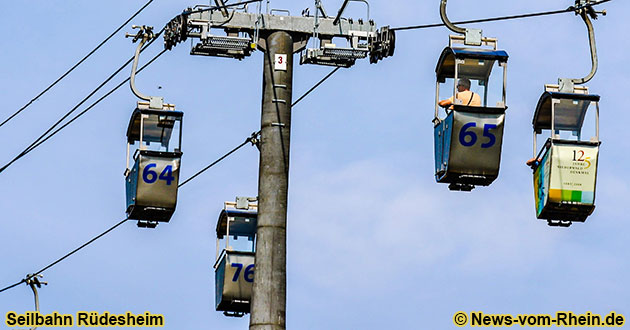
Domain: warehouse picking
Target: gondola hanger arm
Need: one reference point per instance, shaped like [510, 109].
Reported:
[586, 14]
[447, 22]
[584, 10]
[34, 282]
[473, 37]
[145, 34]
[221, 5]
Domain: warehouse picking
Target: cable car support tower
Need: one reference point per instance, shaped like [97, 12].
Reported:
[279, 35]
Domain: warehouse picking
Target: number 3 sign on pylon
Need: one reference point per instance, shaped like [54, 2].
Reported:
[281, 62]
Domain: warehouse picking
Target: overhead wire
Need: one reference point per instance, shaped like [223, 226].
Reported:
[97, 101]
[76, 65]
[502, 18]
[47, 134]
[12, 285]
[315, 86]
[250, 139]
[67, 255]
[80, 247]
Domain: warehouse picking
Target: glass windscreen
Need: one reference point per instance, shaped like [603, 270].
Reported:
[570, 114]
[160, 132]
[576, 120]
[241, 243]
[479, 83]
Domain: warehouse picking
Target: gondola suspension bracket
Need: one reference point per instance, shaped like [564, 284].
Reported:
[33, 281]
[472, 37]
[585, 10]
[145, 34]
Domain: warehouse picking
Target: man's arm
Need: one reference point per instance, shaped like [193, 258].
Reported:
[446, 103]
[534, 163]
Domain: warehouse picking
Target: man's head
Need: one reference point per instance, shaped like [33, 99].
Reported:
[463, 85]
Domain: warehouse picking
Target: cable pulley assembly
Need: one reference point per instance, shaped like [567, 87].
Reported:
[382, 45]
[243, 34]
[176, 31]
[362, 39]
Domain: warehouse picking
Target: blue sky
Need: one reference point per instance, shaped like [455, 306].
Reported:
[373, 241]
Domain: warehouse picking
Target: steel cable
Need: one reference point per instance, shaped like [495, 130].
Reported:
[503, 18]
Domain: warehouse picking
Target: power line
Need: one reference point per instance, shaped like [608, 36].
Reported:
[67, 255]
[252, 139]
[503, 18]
[95, 103]
[79, 248]
[42, 138]
[13, 285]
[76, 65]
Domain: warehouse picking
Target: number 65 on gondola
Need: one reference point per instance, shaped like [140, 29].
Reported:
[468, 140]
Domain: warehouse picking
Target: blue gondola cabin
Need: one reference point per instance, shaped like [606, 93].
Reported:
[469, 138]
[154, 145]
[234, 265]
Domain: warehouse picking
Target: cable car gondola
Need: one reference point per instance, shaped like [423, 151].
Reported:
[154, 139]
[565, 171]
[468, 140]
[234, 265]
[565, 168]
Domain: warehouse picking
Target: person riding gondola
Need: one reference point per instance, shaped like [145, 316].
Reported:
[464, 95]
